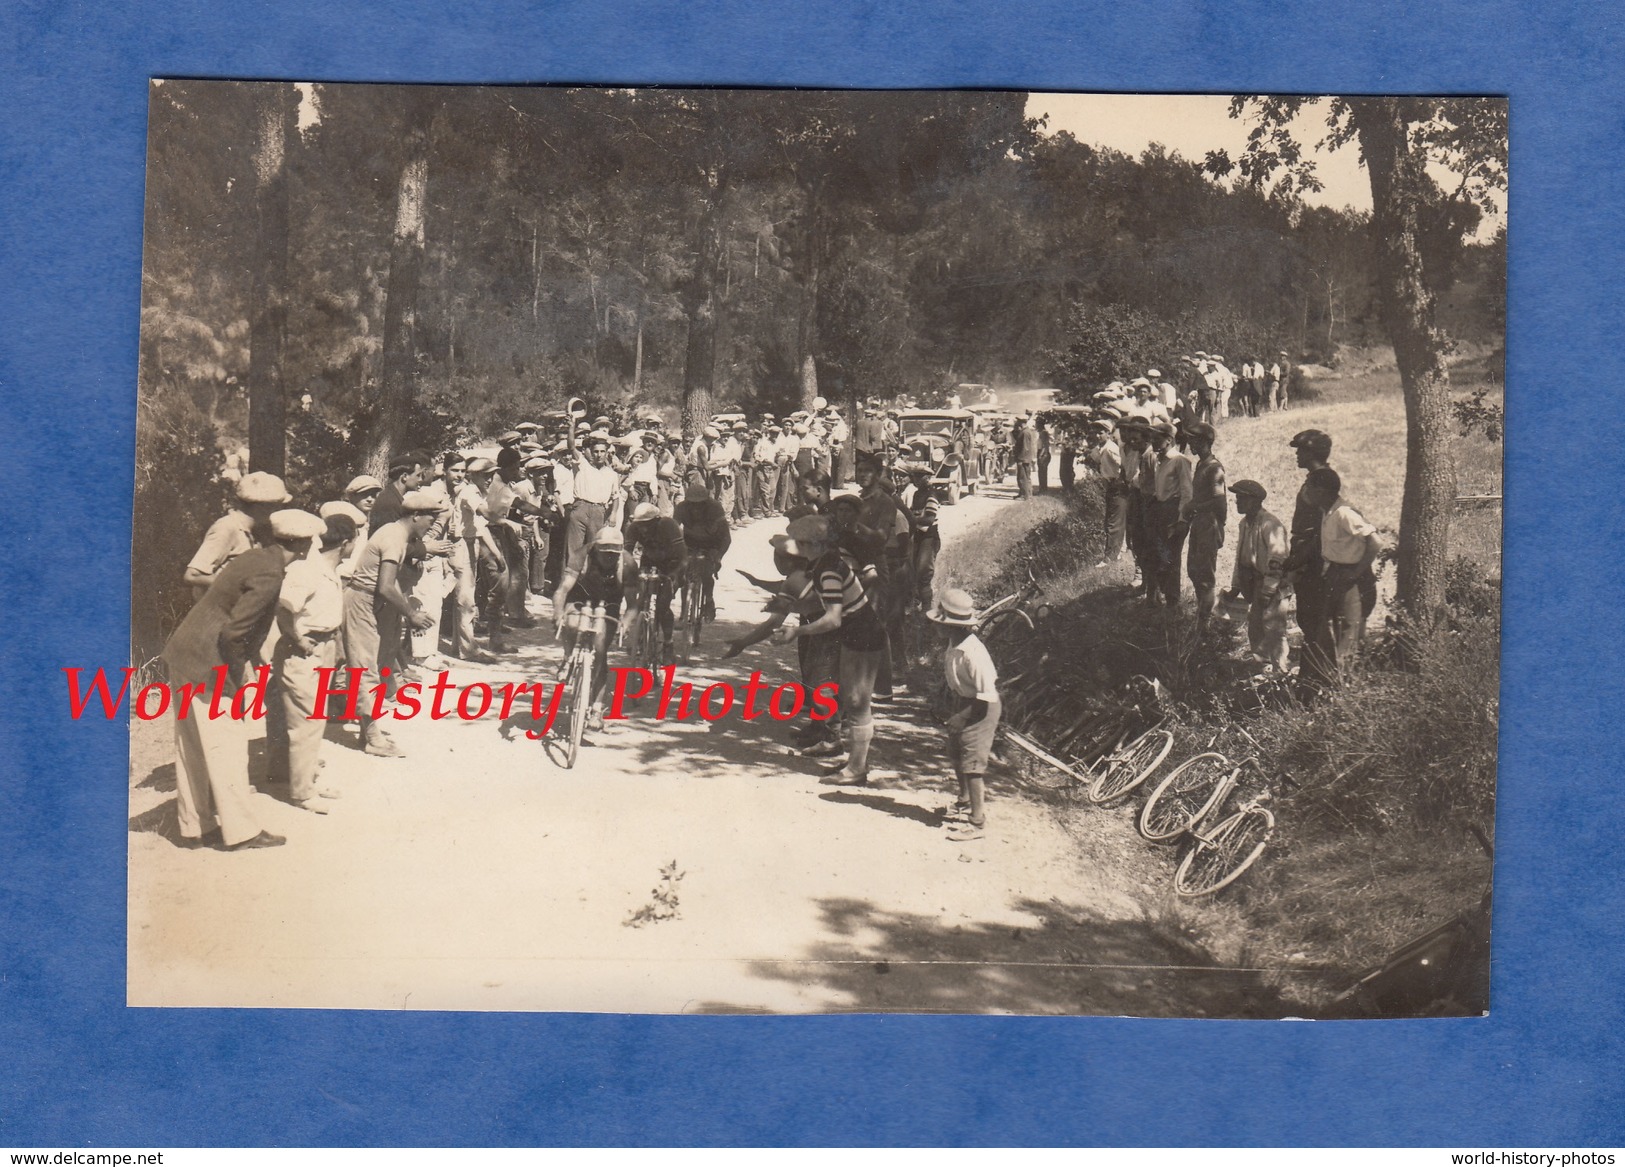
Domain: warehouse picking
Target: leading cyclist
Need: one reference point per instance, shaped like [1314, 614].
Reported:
[600, 582]
[660, 541]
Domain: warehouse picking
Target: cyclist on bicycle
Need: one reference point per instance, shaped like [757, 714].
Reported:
[600, 582]
[663, 551]
[708, 536]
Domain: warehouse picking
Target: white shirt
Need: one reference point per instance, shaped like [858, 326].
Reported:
[970, 670]
[1343, 534]
[595, 484]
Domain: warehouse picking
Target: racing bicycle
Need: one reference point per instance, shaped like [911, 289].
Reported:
[698, 598]
[587, 624]
[643, 649]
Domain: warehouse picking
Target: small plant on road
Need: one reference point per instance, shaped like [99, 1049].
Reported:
[662, 904]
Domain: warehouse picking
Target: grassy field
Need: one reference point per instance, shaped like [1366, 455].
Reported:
[1373, 847]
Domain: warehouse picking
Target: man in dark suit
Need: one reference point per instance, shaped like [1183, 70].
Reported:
[227, 628]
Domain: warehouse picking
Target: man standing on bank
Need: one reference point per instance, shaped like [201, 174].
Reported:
[1349, 545]
[227, 627]
[1208, 510]
[1261, 549]
[1305, 567]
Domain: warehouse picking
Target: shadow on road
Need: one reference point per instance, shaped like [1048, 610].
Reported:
[1069, 962]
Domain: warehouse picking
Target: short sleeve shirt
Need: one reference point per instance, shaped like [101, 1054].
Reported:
[227, 538]
[970, 670]
[388, 544]
[312, 595]
[1343, 534]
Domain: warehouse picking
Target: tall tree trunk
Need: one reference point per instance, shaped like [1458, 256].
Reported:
[807, 332]
[1400, 189]
[702, 306]
[637, 359]
[273, 139]
[400, 310]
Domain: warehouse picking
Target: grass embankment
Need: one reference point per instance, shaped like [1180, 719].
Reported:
[1373, 845]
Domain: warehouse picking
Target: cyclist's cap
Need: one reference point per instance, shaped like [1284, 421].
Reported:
[644, 512]
[711, 431]
[480, 466]
[809, 529]
[1248, 486]
[609, 538]
[955, 606]
[1311, 439]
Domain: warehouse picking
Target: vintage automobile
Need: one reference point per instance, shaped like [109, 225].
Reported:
[949, 437]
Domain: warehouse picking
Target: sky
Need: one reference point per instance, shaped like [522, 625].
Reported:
[1193, 124]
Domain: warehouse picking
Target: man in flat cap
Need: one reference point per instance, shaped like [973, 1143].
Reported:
[238, 530]
[310, 615]
[376, 610]
[1168, 512]
[1260, 575]
[1305, 567]
[226, 630]
[1208, 510]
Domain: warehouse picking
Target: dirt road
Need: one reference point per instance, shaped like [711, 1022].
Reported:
[477, 874]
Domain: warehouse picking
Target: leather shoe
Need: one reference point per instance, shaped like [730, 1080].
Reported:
[263, 839]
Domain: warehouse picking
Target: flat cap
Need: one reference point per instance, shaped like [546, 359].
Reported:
[1248, 486]
[293, 524]
[420, 502]
[262, 487]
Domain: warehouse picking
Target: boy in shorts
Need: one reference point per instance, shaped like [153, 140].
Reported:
[973, 680]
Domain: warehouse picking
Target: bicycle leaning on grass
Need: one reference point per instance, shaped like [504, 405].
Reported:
[1190, 801]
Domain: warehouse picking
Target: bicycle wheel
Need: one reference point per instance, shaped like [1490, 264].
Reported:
[580, 690]
[1218, 860]
[1183, 797]
[1008, 631]
[1129, 766]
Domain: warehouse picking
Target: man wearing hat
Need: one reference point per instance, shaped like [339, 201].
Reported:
[1025, 443]
[601, 582]
[707, 536]
[1208, 511]
[1107, 458]
[974, 683]
[764, 487]
[744, 471]
[1260, 574]
[1275, 381]
[1168, 513]
[663, 549]
[925, 538]
[376, 610]
[1304, 565]
[227, 629]
[1349, 545]
[1139, 474]
[258, 495]
[310, 615]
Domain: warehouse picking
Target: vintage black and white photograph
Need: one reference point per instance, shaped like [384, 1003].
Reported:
[646, 550]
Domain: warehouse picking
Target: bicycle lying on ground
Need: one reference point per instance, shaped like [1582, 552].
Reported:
[1188, 802]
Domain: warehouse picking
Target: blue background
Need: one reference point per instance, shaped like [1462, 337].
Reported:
[77, 1068]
